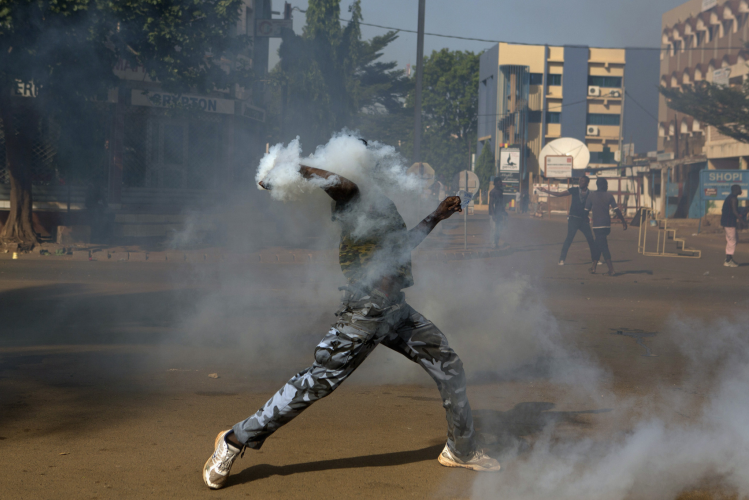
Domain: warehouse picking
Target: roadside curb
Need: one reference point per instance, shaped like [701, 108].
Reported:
[264, 257]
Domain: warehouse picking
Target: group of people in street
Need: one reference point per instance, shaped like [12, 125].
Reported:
[597, 204]
[586, 205]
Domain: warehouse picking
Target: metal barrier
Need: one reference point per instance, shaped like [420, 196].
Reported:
[660, 249]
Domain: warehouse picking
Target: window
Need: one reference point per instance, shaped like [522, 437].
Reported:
[553, 117]
[534, 117]
[537, 78]
[605, 81]
[602, 119]
[555, 80]
[605, 156]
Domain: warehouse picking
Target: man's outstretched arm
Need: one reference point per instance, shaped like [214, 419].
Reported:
[341, 189]
[448, 207]
[556, 194]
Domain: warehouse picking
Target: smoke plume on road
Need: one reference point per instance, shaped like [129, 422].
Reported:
[680, 446]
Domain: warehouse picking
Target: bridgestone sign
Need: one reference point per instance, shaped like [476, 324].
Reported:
[166, 100]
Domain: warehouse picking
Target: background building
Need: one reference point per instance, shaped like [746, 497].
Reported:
[154, 162]
[703, 41]
[572, 92]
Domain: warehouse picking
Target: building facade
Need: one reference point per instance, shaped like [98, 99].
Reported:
[157, 157]
[703, 41]
[603, 97]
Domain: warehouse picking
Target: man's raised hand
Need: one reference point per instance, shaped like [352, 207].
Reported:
[449, 206]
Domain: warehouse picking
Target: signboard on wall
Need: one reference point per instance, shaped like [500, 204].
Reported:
[715, 185]
[721, 76]
[509, 160]
[167, 100]
[509, 169]
[558, 167]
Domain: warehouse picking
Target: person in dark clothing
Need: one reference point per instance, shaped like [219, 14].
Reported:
[577, 220]
[598, 203]
[375, 257]
[731, 222]
[497, 209]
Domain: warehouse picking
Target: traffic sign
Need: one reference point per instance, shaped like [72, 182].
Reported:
[466, 180]
[423, 171]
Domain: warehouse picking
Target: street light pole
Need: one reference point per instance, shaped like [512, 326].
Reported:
[419, 73]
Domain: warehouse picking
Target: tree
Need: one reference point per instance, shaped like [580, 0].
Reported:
[485, 166]
[68, 51]
[329, 78]
[725, 108]
[450, 112]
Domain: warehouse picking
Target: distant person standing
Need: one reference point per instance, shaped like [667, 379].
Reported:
[598, 203]
[497, 209]
[577, 220]
[731, 222]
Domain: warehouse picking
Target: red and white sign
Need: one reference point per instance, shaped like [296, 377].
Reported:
[558, 167]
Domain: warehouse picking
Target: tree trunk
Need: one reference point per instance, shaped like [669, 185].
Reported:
[18, 149]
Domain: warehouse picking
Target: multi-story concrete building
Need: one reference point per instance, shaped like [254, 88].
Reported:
[572, 91]
[703, 40]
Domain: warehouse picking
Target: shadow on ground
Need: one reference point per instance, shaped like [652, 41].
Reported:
[502, 431]
[263, 471]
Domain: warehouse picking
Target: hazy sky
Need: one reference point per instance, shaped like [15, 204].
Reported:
[600, 23]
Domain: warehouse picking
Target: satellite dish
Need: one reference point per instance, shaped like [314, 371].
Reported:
[566, 146]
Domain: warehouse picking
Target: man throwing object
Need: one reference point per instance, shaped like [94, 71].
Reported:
[375, 257]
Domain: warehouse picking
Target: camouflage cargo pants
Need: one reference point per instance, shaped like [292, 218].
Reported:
[364, 321]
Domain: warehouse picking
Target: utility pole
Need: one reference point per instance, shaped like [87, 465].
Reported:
[621, 124]
[419, 74]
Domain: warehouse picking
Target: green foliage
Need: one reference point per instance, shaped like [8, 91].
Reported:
[485, 166]
[329, 78]
[725, 108]
[69, 48]
[449, 109]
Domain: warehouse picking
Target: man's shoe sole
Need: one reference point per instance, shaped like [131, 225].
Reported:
[449, 463]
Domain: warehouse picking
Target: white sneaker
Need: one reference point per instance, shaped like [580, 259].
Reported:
[561, 262]
[480, 461]
[730, 263]
[216, 469]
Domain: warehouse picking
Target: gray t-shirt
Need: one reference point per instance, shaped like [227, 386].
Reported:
[598, 203]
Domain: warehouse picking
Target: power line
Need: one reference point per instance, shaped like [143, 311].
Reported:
[441, 35]
[574, 46]
[641, 106]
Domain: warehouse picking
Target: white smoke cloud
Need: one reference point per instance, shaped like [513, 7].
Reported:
[660, 455]
[373, 165]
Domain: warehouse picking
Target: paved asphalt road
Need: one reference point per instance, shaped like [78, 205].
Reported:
[105, 393]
